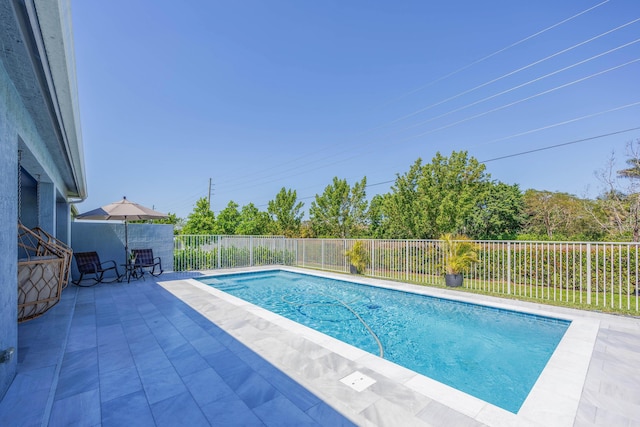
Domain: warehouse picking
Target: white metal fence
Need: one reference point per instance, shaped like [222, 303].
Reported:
[204, 252]
[588, 273]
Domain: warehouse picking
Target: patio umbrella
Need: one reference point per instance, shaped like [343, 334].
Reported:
[124, 210]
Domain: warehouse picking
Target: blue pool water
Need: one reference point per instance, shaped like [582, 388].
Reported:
[496, 355]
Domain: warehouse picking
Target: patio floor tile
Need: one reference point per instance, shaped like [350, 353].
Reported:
[186, 360]
[118, 383]
[134, 355]
[207, 386]
[255, 391]
[161, 384]
[179, 410]
[130, 410]
[24, 409]
[114, 359]
[231, 412]
[79, 409]
[274, 411]
[327, 416]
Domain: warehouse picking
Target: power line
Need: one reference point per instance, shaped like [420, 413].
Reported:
[499, 51]
[451, 74]
[241, 184]
[315, 161]
[559, 145]
[488, 142]
[537, 79]
[303, 172]
[466, 92]
[188, 199]
[511, 104]
[522, 153]
[588, 116]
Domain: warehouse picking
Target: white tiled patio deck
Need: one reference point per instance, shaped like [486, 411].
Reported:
[133, 354]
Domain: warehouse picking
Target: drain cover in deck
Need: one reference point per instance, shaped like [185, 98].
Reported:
[358, 381]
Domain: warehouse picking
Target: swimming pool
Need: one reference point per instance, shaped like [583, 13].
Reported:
[493, 354]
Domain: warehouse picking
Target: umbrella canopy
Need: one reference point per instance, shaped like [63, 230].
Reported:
[123, 210]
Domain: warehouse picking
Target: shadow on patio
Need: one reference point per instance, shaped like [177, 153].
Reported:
[133, 354]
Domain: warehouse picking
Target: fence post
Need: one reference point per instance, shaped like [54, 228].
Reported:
[176, 261]
[406, 262]
[508, 268]
[373, 257]
[588, 273]
[322, 254]
[219, 249]
[250, 251]
[344, 256]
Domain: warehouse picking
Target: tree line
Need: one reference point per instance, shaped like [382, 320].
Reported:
[453, 194]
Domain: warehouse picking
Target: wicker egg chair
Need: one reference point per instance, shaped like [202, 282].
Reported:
[43, 271]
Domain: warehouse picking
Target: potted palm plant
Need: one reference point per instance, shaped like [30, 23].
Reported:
[459, 252]
[358, 258]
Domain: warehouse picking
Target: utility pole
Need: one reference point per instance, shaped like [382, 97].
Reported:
[209, 193]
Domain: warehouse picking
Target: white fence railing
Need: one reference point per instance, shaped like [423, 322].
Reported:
[588, 273]
[204, 252]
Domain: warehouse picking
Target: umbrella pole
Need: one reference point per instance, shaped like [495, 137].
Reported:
[126, 242]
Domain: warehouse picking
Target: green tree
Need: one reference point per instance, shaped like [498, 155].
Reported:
[499, 213]
[376, 216]
[449, 190]
[172, 219]
[286, 213]
[632, 196]
[617, 213]
[614, 212]
[401, 214]
[201, 220]
[435, 198]
[228, 219]
[252, 221]
[558, 216]
[633, 161]
[341, 211]
[545, 213]
[306, 232]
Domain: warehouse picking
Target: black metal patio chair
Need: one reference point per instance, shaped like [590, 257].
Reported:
[89, 263]
[145, 259]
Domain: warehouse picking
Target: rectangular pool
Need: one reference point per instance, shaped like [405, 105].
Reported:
[493, 354]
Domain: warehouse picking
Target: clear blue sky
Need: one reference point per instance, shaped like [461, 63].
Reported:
[260, 95]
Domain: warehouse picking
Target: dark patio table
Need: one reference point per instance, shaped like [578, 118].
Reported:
[132, 270]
